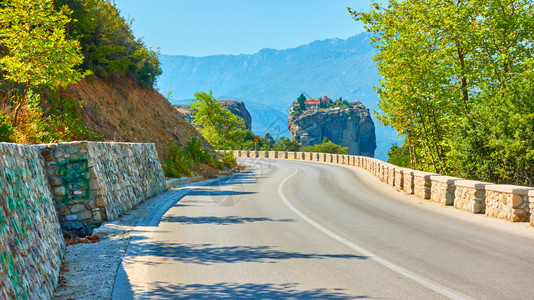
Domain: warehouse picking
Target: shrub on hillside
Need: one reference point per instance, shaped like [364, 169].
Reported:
[183, 161]
[229, 159]
[326, 147]
[6, 130]
[177, 163]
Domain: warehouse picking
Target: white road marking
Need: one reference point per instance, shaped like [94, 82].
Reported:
[438, 288]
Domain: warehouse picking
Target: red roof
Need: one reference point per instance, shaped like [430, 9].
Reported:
[312, 102]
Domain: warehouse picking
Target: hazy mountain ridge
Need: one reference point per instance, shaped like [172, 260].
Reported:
[183, 75]
[275, 78]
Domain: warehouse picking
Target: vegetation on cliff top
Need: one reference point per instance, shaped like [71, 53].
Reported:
[225, 130]
[46, 45]
[457, 83]
[107, 42]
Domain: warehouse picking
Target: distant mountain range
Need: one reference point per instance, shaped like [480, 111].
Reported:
[270, 80]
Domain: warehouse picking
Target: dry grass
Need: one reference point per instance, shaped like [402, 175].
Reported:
[121, 111]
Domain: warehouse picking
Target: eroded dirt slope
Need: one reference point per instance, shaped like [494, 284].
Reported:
[121, 111]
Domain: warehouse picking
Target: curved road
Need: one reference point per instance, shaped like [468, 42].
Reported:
[294, 229]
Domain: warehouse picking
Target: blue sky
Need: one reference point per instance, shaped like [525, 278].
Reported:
[209, 27]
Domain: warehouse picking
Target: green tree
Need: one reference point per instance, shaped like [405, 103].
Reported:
[108, 43]
[37, 52]
[300, 100]
[438, 59]
[326, 147]
[497, 144]
[399, 156]
[285, 144]
[217, 124]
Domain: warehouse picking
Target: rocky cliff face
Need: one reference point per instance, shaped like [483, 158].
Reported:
[351, 127]
[238, 108]
[185, 111]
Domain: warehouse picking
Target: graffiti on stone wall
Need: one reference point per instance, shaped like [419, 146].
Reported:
[18, 201]
[74, 175]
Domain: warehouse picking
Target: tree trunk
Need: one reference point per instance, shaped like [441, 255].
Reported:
[21, 102]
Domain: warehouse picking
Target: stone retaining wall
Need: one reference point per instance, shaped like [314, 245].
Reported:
[470, 196]
[422, 185]
[443, 189]
[31, 242]
[399, 178]
[501, 201]
[96, 182]
[408, 181]
[508, 202]
[77, 185]
[391, 174]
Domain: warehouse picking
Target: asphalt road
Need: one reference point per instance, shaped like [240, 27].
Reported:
[293, 229]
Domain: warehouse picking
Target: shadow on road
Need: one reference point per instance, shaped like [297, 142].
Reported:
[206, 254]
[227, 290]
[245, 177]
[211, 192]
[230, 220]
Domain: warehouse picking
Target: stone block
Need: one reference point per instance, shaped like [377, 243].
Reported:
[71, 217]
[90, 204]
[399, 178]
[54, 182]
[422, 184]
[443, 189]
[84, 215]
[58, 153]
[408, 181]
[273, 154]
[76, 208]
[60, 191]
[335, 158]
[508, 202]
[97, 216]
